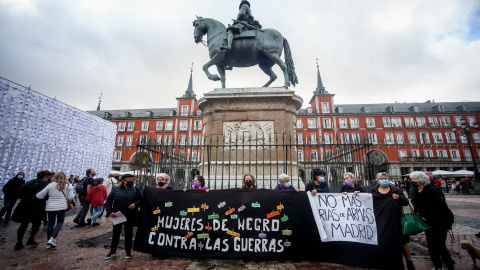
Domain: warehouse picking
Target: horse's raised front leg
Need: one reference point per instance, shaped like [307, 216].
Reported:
[267, 68]
[276, 58]
[214, 60]
[221, 72]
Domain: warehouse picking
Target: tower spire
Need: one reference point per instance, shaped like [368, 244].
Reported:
[99, 101]
[320, 88]
[189, 91]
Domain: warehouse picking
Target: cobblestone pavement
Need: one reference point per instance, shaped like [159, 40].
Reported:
[84, 248]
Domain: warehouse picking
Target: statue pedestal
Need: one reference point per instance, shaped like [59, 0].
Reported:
[249, 130]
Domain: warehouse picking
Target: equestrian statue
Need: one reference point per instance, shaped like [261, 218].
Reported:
[244, 44]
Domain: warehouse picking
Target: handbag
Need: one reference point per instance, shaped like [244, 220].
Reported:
[412, 223]
[69, 205]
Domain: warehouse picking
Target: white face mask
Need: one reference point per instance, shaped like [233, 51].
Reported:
[20, 176]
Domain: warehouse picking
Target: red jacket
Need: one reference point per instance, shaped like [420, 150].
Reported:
[97, 195]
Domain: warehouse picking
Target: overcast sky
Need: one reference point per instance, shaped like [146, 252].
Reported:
[138, 53]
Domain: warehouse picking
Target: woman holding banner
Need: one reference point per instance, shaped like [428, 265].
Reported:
[284, 183]
[318, 183]
[199, 184]
[433, 209]
[390, 199]
[248, 182]
[350, 185]
[163, 180]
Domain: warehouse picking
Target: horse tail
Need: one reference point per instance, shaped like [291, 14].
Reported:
[289, 63]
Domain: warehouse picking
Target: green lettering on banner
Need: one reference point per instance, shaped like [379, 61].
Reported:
[203, 236]
[215, 216]
[287, 232]
[168, 204]
[256, 205]
[183, 213]
[284, 218]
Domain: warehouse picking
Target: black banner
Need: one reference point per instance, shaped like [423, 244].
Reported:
[256, 225]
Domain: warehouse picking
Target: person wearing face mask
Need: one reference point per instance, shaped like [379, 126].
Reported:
[125, 198]
[430, 204]
[318, 183]
[248, 182]
[392, 199]
[284, 183]
[10, 191]
[199, 183]
[163, 180]
[350, 185]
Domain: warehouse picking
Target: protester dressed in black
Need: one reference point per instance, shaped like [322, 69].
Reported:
[350, 185]
[124, 198]
[249, 182]
[318, 183]
[87, 185]
[10, 191]
[431, 206]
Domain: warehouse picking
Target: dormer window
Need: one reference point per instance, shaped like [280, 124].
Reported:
[339, 109]
[365, 109]
[413, 108]
[390, 109]
[127, 114]
[462, 108]
[309, 110]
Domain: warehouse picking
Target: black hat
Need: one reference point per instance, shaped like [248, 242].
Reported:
[127, 175]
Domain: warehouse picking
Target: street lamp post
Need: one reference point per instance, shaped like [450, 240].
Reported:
[467, 133]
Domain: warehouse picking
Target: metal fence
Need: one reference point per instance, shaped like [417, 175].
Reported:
[224, 160]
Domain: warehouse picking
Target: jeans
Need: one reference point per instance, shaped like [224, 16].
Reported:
[117, 230]
[98, 211]
[8, 205]
[23, 228]
[55, 218]
[83, 213]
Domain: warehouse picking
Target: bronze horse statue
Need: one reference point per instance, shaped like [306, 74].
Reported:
[263, 50]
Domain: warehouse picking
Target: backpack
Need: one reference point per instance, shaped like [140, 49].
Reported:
[79, 186]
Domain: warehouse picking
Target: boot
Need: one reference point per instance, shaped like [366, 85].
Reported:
[410, 265]
[229, 43]
[19, 246]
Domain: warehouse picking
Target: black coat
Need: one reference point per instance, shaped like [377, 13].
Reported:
[431, 205]
[30, 208]
[356, 187]
[120, 198]
[12, 187]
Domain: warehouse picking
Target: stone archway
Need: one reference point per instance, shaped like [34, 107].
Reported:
[376, 161]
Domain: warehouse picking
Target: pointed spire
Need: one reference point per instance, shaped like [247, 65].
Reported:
[99, 101]
[320, 88]
[189, 91]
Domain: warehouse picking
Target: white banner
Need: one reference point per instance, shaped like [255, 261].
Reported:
[345, 217]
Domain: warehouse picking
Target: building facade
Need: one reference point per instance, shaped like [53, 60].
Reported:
[404, 136]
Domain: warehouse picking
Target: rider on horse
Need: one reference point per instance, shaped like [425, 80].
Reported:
[245, 21]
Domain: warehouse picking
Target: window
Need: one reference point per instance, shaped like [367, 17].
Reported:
[344, 138]
[121, 126]
[299, 124]
[399, 137]
[183, 125]
[158, 139]
[327, 138]
[421, 122]
[437, 137]
[396, 122]
[415, 153]
[386, 122]
[355, 138]
[117, 156]
[120, 140]
[159, 126]
[182, 139]
[442, 153]
[389, 138]
[412, 138]
[313, 138]
[314, 156]
[196, 140]
[131, 126]
[445, 121]
[328, 154]
[143, 139]
[301, 156]
[463, 139]
[409, 122]
[471, 120]
[428, 153]
[325, 107]
[181, 155]
[353, 122]
[195, 156]
[129, 141]
[339, 109]
[455, 154]
[373, 138]
[476, 137]
[197, 125]
[402, 154]
[300, 138]
[458, 120]
[167, 139]
[467, 154]
[450, 137]
[169, 125]
[327, 123]
[145, 126]
[432, 121]
[343, 122]
[424, 138]
[184, 110]
[311, 123]
[370, 123]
